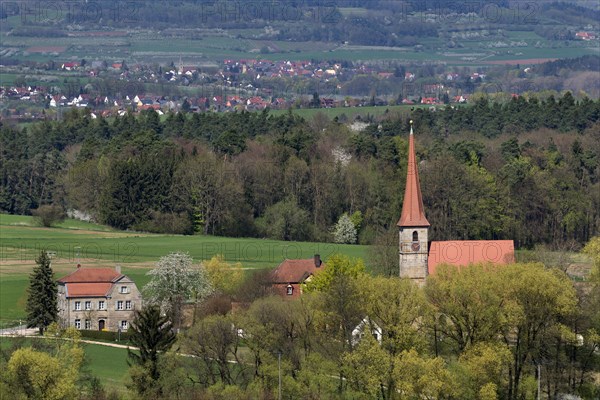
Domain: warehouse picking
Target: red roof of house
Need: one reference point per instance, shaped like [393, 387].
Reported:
[295, 271]
[465, 252]
[92, 275]
[413, 213]
[88, 289]
[90, 282]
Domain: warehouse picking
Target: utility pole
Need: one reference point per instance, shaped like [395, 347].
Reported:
[279, 366]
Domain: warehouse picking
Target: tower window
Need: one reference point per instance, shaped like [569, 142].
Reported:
[415, 241]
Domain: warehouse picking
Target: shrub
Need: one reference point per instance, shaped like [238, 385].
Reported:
[167, 223]
[48, 215]
[104, 335]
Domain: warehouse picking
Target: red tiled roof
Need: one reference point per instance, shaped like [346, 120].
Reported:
[295, 271]
[90, 275]
[465, 252]
[413, 213]
[88, 289]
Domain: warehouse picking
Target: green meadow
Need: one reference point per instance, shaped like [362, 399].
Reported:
[74, 242]
[352, 112]
[109, 364]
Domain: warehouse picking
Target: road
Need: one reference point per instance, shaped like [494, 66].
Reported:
[20, 330]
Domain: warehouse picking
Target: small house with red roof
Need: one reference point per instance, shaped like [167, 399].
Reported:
[419, 257]
[70, 66]
[287, 279]
[585, 36]
[97, 299]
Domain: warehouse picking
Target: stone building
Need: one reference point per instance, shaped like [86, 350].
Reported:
[418, 256]
[97, 299]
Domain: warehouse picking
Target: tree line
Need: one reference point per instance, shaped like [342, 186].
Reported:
[526, 170]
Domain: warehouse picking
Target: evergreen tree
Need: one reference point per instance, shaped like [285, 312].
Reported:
[316, 101]
[42, 300]
[185, 106]
[152, 333]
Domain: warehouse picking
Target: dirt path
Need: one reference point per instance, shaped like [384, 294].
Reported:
[23, 331]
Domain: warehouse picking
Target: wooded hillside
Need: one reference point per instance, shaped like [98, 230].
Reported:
[527, 170]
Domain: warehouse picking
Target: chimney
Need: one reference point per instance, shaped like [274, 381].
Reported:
[118, 268]
[318, 261]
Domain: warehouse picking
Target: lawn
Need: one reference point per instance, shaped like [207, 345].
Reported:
[107, 363]
[12, 298]
[91, 245]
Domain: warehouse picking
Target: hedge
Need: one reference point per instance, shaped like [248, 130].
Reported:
[104, 335]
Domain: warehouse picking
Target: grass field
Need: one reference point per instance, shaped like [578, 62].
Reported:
[350, 112]
[96, 245]
[109, 364]
[141, 45]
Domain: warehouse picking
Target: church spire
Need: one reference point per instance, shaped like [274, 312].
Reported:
[413, 214]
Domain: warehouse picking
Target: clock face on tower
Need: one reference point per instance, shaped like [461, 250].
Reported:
[415, 246]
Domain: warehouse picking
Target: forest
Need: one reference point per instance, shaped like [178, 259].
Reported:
[525, 169]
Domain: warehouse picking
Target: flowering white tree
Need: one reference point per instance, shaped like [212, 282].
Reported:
[344, 231]
[174, 281]
[341, 156]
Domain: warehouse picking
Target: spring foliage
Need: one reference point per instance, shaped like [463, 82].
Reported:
[345, 230]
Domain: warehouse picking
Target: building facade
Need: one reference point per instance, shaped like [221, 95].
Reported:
[97, 299]
[419, 257]
[413, 225]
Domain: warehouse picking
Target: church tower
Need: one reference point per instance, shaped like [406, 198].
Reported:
[413, 225]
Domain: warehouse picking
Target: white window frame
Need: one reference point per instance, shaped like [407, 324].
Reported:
[77, 306]
[124, 325]
[77, 323]
[101, 305]
[88, 324]
[120, 305]
[289, 290]
[88, 305]
[128, 305]
[124, 289]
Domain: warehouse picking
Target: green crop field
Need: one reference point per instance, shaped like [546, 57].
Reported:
[96, 245]
[141, 46]
[72, 239]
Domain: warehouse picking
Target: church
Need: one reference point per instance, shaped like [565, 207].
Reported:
[419, 257]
